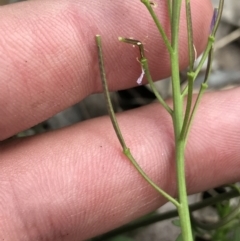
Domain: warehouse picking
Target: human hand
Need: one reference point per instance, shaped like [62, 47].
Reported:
[74, 183]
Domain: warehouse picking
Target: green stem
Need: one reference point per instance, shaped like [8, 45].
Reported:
[183, 210]
[188, 122]
[191, 52]
[220, 10]
[144, 63]
[211, 40]
[158, 24]
[204, 86]
[176, 8]
[145, 176]
[189, 105]
[181, 125]
[169, 5]
[106, 93]
[209, 66]
[126, 150]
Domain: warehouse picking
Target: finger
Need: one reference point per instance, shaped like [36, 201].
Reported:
[49, 56]
[75, 183]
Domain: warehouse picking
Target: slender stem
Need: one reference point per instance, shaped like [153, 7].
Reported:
[189, 104]
[169, 5]
[178, 124]
[183, 210]
[177, 98]
[191, 52]
[158, 24]
[180, 145]
[176, 8]
[211, 40]
[177, 116]
[145, 176]
[204, 86]
[167, 215]
[220, 10]
[144, 63]
[126, 150]
[202, 89]
[134, 42]
[106, 93]
[209, 66]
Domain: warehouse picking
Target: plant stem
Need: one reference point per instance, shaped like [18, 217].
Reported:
[179, 147]
[144, 64]
[204, 86]
[118, 132]
[205, 55]
[189, 104]
[145, 176]
[169, 5]
[158, 24]
[220, 10]
[106, 93]
[181, 123]
[190, 35]
[183, 209]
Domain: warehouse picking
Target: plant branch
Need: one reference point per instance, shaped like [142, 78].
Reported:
[145, 176]
[144, 65]
[158, 24]
[188, 106]
[219, 15]
[205, 55]
[126, 150]
[191, 52]
[106, 93]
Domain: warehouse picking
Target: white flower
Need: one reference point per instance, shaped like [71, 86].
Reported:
[139, 80]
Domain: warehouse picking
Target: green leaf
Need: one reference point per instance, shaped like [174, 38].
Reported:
[176, 222]
[180, 237]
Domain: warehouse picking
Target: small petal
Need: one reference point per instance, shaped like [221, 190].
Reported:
[139, 80]
[214, 19]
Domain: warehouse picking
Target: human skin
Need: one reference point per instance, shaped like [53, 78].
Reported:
[75, 183]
